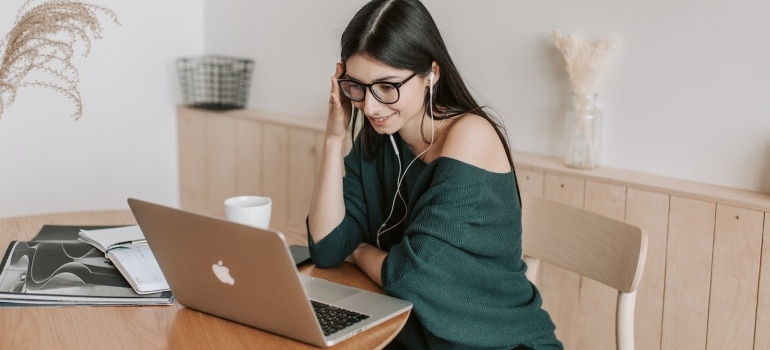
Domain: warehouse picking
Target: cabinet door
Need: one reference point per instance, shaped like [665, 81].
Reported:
[530, 181]
[595, 321]
[649, 210]
[564, 189]
[207, 161]
[275, 168]
[762, 336]
[249, 176]
[561, 288]
[221, 164]
[193, 186]
[688, 273]
[304, 159]
[734, 278]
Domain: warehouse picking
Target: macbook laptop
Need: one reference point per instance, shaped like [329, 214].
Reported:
[247, 275]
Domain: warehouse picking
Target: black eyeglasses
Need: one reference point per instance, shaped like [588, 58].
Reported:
[385, 92]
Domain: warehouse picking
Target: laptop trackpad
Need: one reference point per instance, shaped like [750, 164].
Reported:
[325, 291]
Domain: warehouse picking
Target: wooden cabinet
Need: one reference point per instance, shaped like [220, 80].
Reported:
[704, 284]
[222, 154]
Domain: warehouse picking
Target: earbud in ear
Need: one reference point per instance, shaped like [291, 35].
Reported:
[431, 77]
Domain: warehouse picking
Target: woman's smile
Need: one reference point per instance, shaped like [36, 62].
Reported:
[378, 122]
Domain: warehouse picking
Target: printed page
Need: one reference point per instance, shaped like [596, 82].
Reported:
[108, 238]
[139, 267]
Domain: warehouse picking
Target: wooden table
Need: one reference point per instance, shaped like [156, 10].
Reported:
[155, 327]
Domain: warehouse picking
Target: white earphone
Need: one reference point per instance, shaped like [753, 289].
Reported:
[397, 195]
[430, 89]
[401, 176]
[393, 142]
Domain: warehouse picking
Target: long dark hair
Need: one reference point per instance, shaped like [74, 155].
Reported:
[402, 34]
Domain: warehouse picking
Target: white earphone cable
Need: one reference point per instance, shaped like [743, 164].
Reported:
[400, 177]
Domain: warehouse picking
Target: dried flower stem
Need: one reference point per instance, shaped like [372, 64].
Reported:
[585, 59]
[43, 40]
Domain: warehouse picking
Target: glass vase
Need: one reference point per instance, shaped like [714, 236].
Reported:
[583, 132]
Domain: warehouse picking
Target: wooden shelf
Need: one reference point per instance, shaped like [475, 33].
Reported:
[661, 184]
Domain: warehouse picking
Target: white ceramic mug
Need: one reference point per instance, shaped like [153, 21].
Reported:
[249, 210]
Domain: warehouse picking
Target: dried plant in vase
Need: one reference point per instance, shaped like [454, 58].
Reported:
[586, 61]
[42, 44]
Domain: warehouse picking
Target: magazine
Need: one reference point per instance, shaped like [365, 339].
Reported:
[66, 272]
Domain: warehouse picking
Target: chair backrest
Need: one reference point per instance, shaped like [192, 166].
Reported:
[606, 250]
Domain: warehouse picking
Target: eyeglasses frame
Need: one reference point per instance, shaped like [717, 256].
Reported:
[369, 87]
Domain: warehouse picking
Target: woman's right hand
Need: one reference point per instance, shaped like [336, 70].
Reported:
[339, 108]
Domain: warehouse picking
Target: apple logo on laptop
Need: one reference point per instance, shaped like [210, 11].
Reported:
[223, 273]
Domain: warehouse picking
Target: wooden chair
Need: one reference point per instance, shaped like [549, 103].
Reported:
[606, 250]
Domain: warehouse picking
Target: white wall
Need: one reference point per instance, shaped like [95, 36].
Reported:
[125, 143]
[687, 95]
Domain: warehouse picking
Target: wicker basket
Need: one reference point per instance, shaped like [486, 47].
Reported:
[215, 82]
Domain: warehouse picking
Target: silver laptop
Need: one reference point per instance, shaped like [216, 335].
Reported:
[247, 275]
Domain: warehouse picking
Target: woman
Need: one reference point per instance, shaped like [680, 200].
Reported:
[426, 201]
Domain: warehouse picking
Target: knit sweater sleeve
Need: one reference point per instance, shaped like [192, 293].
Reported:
[460, 263]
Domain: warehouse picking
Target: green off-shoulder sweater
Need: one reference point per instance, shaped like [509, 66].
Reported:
[456, 253]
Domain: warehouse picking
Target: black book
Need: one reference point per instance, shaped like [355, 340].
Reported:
[55, 268]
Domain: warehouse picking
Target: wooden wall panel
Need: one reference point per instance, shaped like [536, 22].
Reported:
[608, 200]
[275, 172]
[649, 210]
[220, 161]
[734, 278]
[688, 273]
[597, 302]
[320, 145]
[561, 288]
[564, 189]
[761, 333]
[193, 185]
[303, 164]
[249, 163]
[530, 181]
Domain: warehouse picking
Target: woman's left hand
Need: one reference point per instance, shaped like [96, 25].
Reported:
[369, 259]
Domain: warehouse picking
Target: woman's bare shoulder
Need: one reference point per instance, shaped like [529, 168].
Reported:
[472, 139]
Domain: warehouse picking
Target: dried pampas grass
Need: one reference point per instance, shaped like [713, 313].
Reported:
[585, 59]
[43, 41]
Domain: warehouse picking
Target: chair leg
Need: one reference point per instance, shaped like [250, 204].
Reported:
[624, 321]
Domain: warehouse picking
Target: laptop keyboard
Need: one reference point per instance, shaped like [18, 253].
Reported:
[333, 318]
